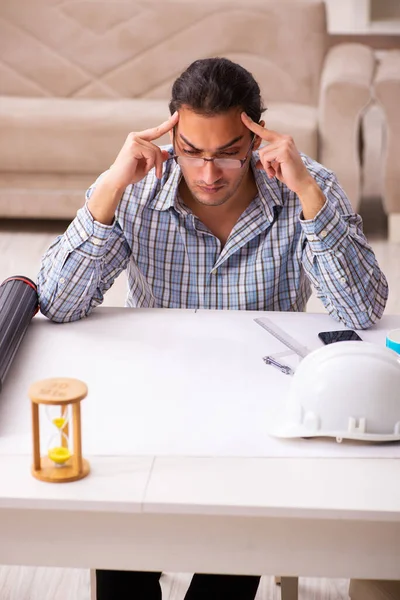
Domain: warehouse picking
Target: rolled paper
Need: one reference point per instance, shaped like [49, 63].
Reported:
[393, 340]
[18, 304]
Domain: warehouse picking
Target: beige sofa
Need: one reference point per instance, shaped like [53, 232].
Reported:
[77, 77]
[387, 93]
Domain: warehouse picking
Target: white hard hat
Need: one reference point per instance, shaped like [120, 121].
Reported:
[346, 390]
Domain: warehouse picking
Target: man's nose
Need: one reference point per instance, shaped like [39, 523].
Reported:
[211, 173]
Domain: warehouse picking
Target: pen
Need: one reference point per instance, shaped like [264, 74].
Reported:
[284, 368]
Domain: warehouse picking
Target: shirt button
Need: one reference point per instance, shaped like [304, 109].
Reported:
[323, 233]
[343, 280]
[61, 280]
[214, 272]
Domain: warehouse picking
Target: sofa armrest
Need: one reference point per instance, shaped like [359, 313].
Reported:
[387, 93]
[345, 92]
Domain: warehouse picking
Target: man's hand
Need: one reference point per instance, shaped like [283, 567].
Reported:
[280, 158]
[139, 155]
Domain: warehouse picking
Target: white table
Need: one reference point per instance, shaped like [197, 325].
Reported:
[222, 512]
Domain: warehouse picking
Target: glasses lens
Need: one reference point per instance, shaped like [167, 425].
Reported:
[227, 163]
[220, 163]
[186, 161]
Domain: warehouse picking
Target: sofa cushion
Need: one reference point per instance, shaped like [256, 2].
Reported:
[68, 135]
[137, 48]
[59, 135]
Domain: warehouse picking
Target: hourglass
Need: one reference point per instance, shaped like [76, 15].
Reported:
[61, 398]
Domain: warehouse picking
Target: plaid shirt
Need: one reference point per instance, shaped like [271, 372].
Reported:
[173, 260]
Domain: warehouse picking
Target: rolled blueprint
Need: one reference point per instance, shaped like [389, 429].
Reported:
[18, 304]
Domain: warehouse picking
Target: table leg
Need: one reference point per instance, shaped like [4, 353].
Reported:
[92, 584]
[289, 588]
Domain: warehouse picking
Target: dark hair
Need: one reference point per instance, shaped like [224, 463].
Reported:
[215, 85]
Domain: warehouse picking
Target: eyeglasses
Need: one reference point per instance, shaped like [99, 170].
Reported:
[220, 163]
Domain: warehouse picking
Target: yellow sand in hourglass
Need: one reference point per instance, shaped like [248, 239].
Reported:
[62, 398]
[60, 453]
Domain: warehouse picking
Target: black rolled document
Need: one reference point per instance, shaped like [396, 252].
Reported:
[18, 304]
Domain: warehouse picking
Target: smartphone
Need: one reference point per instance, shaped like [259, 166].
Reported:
[329, 337]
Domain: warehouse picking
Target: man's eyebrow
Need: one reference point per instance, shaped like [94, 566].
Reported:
[237, 139]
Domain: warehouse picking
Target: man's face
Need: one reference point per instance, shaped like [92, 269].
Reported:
[218, 136]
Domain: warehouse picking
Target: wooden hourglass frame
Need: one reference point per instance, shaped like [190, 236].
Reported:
[60, 466]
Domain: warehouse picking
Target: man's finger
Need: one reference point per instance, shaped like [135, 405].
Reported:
[270, 156]
[265, 134]
[268, 168]
[154, 158]
[156, 132]
[159, 167]
[270, 148]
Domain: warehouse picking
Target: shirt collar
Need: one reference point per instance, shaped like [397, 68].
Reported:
[269, 191]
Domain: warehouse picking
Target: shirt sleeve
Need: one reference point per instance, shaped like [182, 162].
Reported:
[80, 266]
[340, 263]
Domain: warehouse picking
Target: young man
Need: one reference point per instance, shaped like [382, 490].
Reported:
[213, 221]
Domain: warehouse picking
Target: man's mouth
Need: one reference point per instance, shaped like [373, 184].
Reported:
[211, 189]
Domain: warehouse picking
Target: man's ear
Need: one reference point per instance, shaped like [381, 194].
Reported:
[258, 140]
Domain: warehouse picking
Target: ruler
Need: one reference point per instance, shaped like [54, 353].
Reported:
[283, 337]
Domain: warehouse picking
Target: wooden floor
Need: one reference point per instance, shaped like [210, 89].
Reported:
[21, 247]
